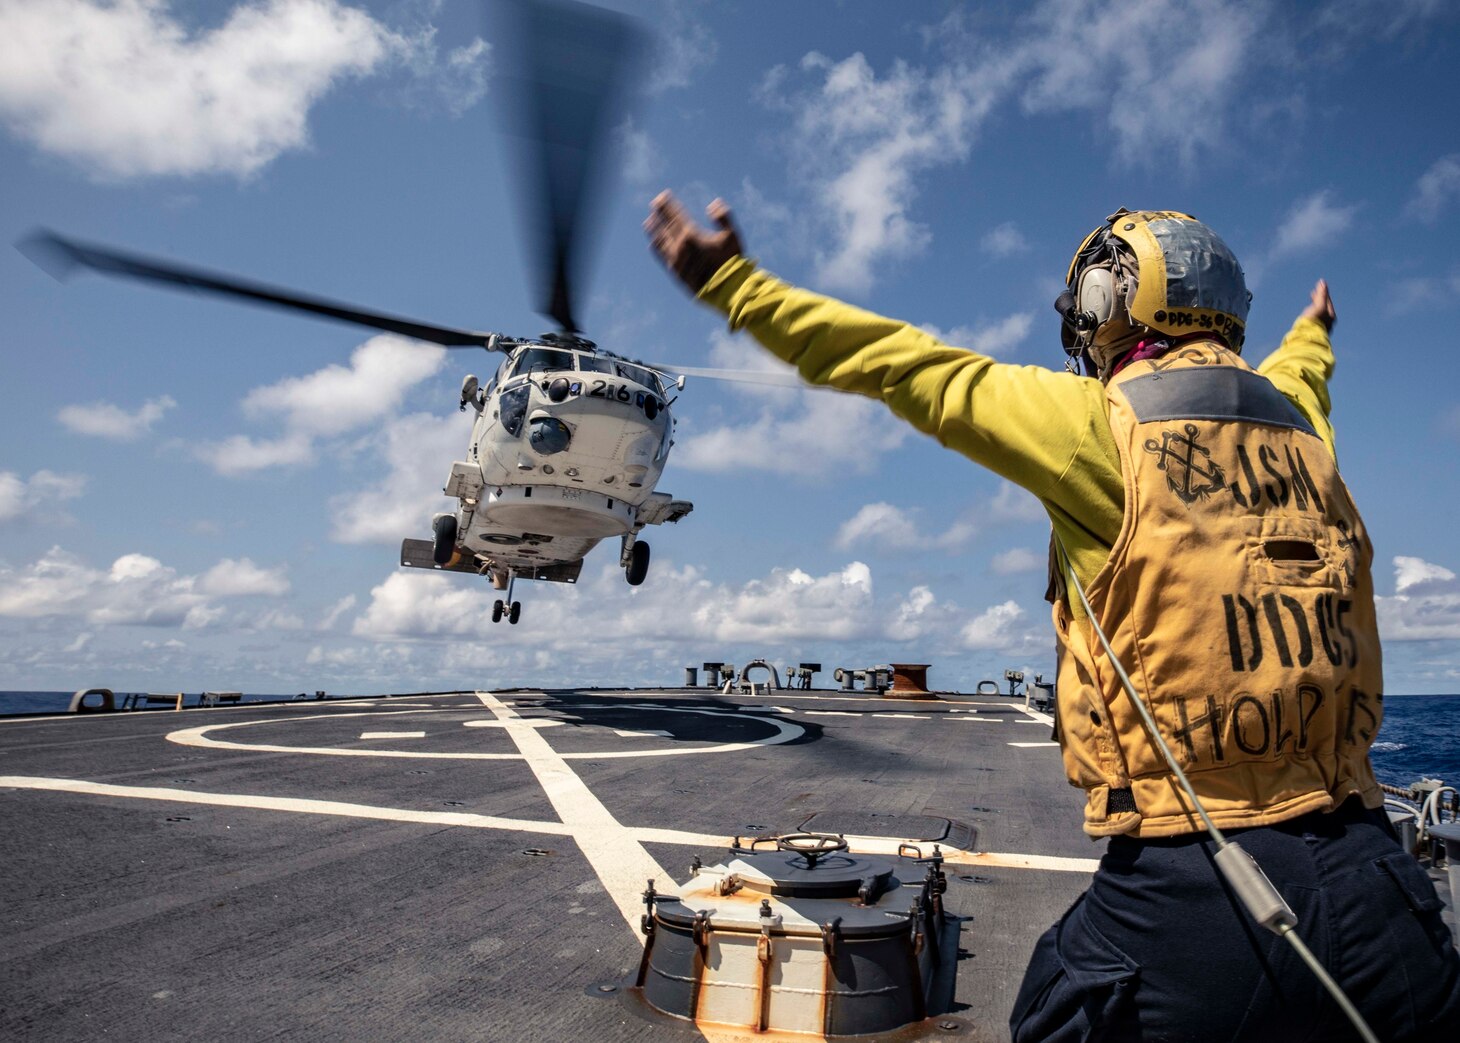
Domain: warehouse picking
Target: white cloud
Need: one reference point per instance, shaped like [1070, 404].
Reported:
[820, 432]
[23, 497]
[1005, 241]
[1313, 223]
[417, 452]
[126, 89]
[337, 611]
[995, 628]
[1424, 291]
[337, 399]
[1425, 606]
[1175, 98]
[683, 45]
[862, 138]
[242, 577]
[1416, 572]
[105, 420]
[640, 158]
[995, 339]
[677, 607]
[892, 528]
[1016, 560]
[240, 454]
[1436, 188]
[332, 401]
[135, 590]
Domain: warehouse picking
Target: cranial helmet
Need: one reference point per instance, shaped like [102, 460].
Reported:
[1152, 271]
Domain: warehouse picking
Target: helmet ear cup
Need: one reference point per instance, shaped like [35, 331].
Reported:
[1095, 296]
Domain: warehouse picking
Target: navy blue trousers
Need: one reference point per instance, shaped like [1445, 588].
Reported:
[1159, 949]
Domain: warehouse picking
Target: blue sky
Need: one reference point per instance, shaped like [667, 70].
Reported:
[198, 495]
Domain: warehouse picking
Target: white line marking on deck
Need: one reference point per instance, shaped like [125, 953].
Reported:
[620, 861]
[527, 722]
[641, 834]
[905, 716]
[830, 713]
[1032, 745]
[979, 720]
[392, 735]
[1042, 718]
[646, 734]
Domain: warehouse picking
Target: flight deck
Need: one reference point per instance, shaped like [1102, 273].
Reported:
[472, 866]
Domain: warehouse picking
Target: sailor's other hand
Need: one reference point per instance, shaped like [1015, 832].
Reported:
[691, 252]
[1321, 307]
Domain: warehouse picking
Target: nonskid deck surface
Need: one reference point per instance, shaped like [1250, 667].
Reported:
[470, 866]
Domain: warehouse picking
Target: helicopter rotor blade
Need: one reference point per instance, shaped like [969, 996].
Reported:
[743, 376]
[571, 70]
[61, 257]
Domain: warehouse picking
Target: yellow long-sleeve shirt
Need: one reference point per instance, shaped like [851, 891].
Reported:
[1046, 431]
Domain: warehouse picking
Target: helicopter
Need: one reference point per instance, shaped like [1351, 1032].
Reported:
[569, 439]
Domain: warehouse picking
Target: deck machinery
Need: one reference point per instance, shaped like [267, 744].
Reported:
[796, 934]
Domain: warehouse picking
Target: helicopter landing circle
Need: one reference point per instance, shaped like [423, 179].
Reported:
[782, 731]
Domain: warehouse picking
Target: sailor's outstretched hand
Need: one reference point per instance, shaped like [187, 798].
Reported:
[691, 252]
[1321, 307]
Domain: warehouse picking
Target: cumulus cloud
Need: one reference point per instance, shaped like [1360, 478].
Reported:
[1175, 99]
[105, 420]
[890, 529]
[417, 452]
[1313, 223]
[127, 89]
[683, 45]
[995, 339]
[862, 138]
[1436, 188]
[819, 433]
[1424, 291]
[332, 401]
[24, 497]
[137, 590]
[1425, 605]
[995, 628]
[232, 577]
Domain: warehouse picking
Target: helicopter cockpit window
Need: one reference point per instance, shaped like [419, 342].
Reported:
[595, 364]
[513, 407]
[640, 375]
[540, 360]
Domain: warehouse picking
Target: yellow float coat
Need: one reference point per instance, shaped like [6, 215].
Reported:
[1053, 434]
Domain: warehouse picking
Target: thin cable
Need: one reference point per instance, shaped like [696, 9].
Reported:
[1241, 871]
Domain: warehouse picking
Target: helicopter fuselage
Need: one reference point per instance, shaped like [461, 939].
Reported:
[566, 450]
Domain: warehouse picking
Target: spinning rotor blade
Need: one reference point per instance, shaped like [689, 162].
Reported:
[60, 257]
[572, 65]
[744, 376]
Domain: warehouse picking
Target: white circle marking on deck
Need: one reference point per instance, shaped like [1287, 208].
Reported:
[785, 731]
[528, 722]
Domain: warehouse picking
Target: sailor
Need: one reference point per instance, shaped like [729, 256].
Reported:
[1198, 503]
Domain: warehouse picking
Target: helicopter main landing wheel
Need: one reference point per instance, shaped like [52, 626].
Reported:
[514, 612]
[443, 546]
[638, 564]
[497, 611]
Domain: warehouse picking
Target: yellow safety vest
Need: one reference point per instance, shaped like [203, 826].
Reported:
[1238, 597]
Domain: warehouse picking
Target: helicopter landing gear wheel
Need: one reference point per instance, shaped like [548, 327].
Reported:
[514, 612]
[497, 611]
[443, 545]
[638, 564]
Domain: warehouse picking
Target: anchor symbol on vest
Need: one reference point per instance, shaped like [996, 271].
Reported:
[1191, 473]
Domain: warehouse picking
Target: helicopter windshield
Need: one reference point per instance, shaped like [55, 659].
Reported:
[640, 375]
[537, 360]
[595, 364]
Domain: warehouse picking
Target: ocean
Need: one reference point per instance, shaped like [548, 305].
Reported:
[1420, 737]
